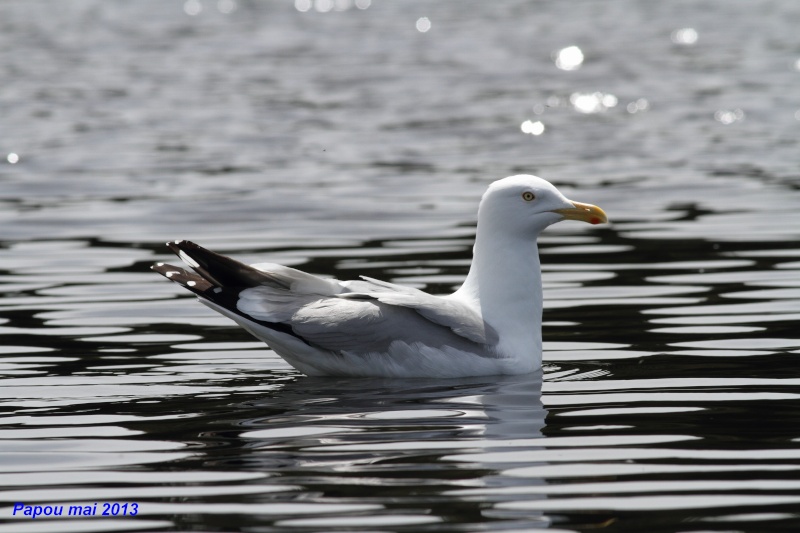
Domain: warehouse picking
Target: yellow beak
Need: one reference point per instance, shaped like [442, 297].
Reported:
[584, 212]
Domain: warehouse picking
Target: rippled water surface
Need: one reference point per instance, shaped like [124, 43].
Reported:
[355, 137]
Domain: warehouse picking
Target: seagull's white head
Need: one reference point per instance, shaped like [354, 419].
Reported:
[525, 205]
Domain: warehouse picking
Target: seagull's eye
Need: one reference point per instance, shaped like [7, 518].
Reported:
[528, 196]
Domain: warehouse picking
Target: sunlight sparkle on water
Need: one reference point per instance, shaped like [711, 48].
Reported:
[12, 158]
[553, 101]
[226, 7]
[569, 58]
[326, 6]
[423, 24]
[729, 116]
[685, 36]
[532, 128]
[639, 105]
[323, 6]
[192, 7]
[592, 102]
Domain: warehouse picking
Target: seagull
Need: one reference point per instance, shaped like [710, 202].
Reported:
[491, 325]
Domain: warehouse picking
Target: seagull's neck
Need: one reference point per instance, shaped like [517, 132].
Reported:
[504, 285]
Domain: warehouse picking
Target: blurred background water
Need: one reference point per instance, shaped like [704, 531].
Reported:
[355, 137]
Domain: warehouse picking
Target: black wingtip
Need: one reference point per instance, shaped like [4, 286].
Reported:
[219, 269]
[222, 288]
[189, 280]
[179, 244]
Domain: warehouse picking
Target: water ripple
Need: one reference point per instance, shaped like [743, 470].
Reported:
[337, 137]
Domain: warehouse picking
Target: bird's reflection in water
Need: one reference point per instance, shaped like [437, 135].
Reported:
[367, 437]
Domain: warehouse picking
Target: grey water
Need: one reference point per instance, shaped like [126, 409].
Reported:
[355, 137]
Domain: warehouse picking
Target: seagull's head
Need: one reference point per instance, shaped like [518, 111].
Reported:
[526, 205]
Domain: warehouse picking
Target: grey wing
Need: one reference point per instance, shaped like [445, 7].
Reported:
[298, 281]
[327, 313]
[357, 322]
[452, 314]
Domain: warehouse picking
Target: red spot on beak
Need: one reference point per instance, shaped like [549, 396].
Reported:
[594, 220]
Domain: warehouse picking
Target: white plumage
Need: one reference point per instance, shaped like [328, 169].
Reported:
[491, 325]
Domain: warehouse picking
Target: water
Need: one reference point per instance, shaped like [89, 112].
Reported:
[345, 141]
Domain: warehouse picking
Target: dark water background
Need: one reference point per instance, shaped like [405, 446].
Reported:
[340, 138]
